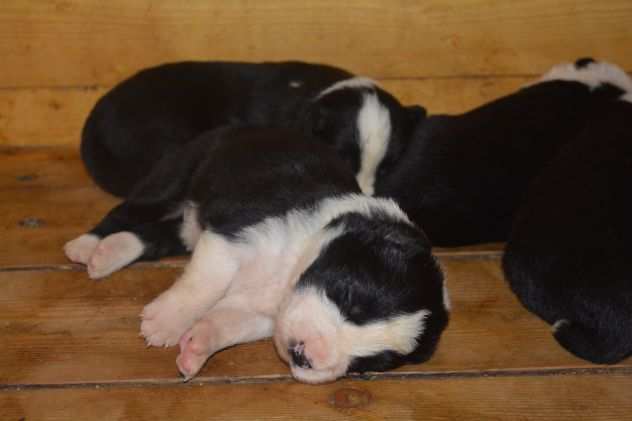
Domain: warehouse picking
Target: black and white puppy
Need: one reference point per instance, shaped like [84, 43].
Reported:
[285, 244]
[144, 118]
[463, 177]
[569, 255]
[134, 137]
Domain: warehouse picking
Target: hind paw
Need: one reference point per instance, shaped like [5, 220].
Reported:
[81, 248]
[113, 253]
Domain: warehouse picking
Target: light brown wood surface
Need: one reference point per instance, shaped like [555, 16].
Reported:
[547, 398]
[86, 42]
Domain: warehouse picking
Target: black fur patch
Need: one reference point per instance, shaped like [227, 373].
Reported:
[463, 177]
[569, 256]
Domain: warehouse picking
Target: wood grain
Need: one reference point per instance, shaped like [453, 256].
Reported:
[31, 117]
[59, 327]
[572, 398]
[85, 42]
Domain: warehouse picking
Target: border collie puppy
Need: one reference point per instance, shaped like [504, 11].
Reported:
[143, 119]
[284, 244]
[463, 177]
[569, 255]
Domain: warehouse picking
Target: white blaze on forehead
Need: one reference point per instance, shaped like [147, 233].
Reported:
[592, 75]
[374, 130]
[354, 82]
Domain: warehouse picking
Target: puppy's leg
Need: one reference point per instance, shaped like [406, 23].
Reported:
[221, 327]
[123, 217]
[156, 198]
[214, 263]
[146, 242]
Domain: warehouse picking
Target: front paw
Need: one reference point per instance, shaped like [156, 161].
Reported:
[165, 319]
[195, 349]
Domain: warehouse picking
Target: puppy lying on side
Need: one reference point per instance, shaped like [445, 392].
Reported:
[145, 117]
[463, 177]
[284, 244]
[135, 134]
[569, 256]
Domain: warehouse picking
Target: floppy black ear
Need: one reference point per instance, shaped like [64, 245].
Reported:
[408, 240]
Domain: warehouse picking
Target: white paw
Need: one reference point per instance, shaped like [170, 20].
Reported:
[195, 349]
[165, 319]
[81, 248]
[114, 252]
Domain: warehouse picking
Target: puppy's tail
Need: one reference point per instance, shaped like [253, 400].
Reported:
[590, 344]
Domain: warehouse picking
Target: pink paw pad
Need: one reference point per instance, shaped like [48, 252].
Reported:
[195, 349]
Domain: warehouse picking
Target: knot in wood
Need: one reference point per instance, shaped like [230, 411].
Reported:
[350, 398]
[31, 223]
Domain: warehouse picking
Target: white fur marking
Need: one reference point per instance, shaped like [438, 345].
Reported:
[592, 75]
[354, 82]
[331, 342]
[296, 84]
[447, 304]
[81, 248]
[396, 334]
[113, 253]
[204, 281]
[374, 127]
[190, 231]
[627, 97]
[557, 325]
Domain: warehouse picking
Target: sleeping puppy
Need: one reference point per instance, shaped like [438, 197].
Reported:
[133, 141]
[146, 117]
[284, 244]
[569, 255]
[462, 177]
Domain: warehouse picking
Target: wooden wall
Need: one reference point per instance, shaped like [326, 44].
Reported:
[58, 56]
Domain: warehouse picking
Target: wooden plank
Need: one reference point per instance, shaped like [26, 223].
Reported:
[58, 327]
[572, 398]
[55, 116]
[79, 42]
[41, 167]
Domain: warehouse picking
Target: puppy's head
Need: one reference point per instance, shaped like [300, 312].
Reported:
[367, 126]
[371, 301]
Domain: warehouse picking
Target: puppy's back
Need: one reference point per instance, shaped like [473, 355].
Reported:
[569, 256]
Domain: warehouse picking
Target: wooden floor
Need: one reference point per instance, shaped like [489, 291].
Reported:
[70, 347]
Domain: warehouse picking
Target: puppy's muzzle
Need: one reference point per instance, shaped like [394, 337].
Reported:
[297, 353]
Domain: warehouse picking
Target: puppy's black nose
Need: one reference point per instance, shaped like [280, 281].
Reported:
[297, 353]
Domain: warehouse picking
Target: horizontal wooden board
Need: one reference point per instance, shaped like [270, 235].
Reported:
[55, 116]
[87, 42]
[59, 327]
[598, 397]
